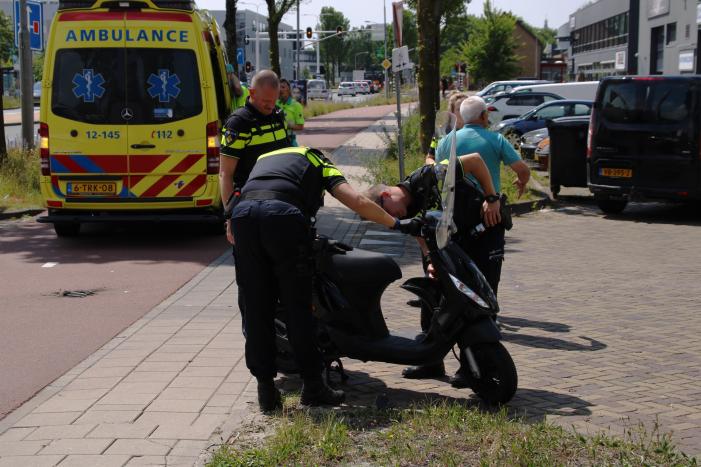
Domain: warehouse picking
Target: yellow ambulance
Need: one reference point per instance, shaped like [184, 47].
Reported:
[134, 96]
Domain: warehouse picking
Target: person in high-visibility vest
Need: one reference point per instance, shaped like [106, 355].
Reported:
[239, 92]
[294, 112]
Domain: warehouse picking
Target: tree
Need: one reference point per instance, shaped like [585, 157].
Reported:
[429, 16]
[359, 49]
[276, 10]
[490, 50]
[7, 38]
[456, 30]
[230, 30]
[38, 66]
[332, 51]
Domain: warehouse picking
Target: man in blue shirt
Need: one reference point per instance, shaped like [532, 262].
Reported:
[487, 250]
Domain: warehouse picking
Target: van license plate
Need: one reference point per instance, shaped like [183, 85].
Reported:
[616, 173]
[91, 188]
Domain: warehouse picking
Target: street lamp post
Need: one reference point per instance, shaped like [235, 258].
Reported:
[297, 42]
[355, 59]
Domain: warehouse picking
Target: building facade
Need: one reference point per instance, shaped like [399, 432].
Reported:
[529, 51]
[603, 40]
[669, 37]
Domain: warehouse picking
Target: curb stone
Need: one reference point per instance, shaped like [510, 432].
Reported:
[17, 214]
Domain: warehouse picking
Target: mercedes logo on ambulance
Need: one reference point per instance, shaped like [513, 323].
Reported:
[127, 113]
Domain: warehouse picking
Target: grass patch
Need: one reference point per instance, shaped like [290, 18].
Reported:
[439, 433]
[315, 108]
[19, 180]
[10, 102]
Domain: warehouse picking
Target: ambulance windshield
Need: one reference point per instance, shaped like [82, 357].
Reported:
[132, 86]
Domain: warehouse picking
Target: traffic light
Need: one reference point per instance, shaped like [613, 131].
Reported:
[248, 67]
[246, 39]
[309, 33]
[339, 29]
[463, 68]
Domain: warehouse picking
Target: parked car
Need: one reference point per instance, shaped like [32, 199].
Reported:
[514, 105]
[36, 92]
[530, 141]
[514, 128]
[542, 154]
[585, 90]
[506, 86]
[361, 87]
[644, 140]
[316, 89]
[346, 88]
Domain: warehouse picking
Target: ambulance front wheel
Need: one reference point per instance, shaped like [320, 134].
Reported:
[67, 229]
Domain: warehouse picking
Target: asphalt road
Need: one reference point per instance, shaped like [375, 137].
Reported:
[129, 270]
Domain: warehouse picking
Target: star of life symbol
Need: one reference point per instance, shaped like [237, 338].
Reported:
[88, 85]
[164, 85]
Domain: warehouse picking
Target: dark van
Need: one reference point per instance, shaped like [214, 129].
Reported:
[643, 140]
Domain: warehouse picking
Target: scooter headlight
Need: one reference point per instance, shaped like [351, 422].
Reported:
[468, 292]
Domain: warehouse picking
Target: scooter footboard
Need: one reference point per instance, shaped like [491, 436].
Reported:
[482, 331]
[390, 349]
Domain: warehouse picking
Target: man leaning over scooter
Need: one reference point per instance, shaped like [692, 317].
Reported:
[485, 248]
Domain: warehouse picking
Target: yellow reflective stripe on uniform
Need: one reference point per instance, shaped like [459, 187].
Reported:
[291, 150]
[331, 172]
[314, 159]
[268, 137]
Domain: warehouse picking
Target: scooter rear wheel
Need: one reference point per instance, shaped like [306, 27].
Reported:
[498, 378]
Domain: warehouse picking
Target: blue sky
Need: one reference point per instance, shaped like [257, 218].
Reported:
[358, 11]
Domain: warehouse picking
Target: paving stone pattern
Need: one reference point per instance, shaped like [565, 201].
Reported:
[600, 315]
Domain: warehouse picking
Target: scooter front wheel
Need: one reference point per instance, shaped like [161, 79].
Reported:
[498, 379]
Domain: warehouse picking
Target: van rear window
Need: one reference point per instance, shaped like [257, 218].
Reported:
[103, 85]
[658, 101]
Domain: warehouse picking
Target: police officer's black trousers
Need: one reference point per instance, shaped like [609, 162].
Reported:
[273, 247]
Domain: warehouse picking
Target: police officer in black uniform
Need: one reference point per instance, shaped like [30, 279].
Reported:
[254, 129]
[272, 226]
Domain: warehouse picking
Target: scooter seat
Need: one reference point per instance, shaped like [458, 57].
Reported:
[362, 266]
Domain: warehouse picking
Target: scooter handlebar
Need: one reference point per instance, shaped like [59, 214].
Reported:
[410, 226]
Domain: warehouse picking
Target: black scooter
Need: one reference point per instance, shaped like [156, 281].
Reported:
[348, 287]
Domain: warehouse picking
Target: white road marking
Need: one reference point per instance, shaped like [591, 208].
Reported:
[49, 265]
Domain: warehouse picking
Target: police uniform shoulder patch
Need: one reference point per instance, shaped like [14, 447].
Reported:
[230, 135]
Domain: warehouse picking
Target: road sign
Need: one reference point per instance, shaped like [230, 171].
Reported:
[35, 24]
[400, 59]
[240, 56]
[386, 64]
[379, 52]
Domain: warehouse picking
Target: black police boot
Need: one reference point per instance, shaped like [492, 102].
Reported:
[269, 398]
[460, 380]
[433, 370]
[315, 392]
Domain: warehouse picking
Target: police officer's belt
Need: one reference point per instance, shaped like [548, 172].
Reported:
[262, 195]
